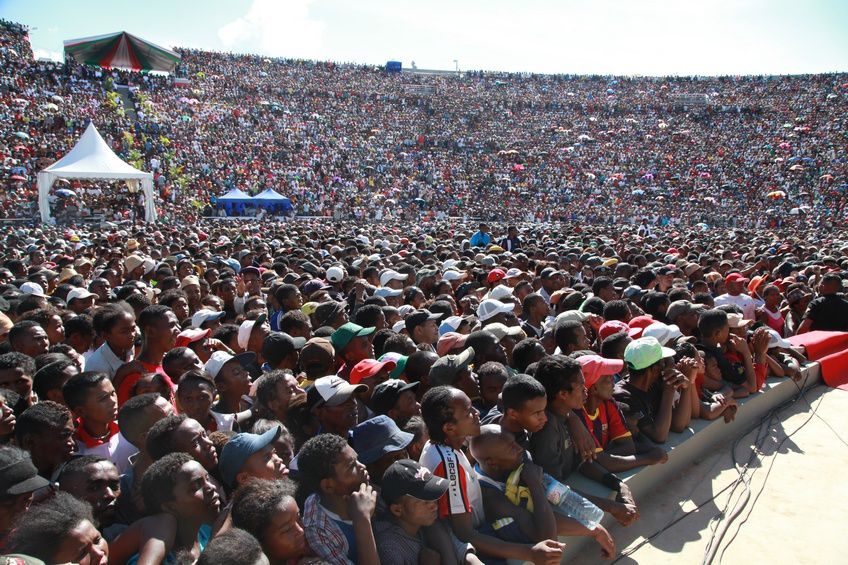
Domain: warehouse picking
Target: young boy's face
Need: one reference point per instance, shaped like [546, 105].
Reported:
[414, 511]
[505, 453]
[348, 473]
[15, 379]
[264, 464]
[466, 417]
[194, 495]
[195, 400]
[531, 415]
[603, 388]
[101, 403]
[191, 438]
[722, 335]
[233, 380]
[490, 388]
[284, 538]
[578, 394]
[406, 406]
[122, 335]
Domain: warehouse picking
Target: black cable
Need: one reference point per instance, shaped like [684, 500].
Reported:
[763, 419]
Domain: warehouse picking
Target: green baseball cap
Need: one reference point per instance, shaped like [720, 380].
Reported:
[644, 352]
[342, 336]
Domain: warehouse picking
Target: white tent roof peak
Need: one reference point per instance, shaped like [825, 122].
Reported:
[92, 158]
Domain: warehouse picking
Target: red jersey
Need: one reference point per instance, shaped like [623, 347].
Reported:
[606, 424]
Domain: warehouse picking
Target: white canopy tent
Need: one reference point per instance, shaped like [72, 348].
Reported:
[91, 158]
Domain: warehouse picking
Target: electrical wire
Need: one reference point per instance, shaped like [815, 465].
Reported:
[758, 444]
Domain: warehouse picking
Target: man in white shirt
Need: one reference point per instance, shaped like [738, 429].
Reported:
[735, 284]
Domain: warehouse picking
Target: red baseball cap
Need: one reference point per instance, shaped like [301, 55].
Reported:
[613, 327]
[595, 367]
[638, 324]
[448, 341]
[735, 277]
[190, 336]
[495, 275]
[368, 368]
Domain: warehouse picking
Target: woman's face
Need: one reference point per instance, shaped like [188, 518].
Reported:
[194, 494]
[283, 537]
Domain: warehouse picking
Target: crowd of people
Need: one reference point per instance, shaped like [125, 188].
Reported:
[394, 393]
[405, 384]
[356, 142]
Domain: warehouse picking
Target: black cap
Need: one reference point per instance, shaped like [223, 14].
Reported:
[278, 345]
[419, 317]
[386, 394]
[18, 475]
[406, 477]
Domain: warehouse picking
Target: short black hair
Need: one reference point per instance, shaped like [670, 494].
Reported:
[131, 410]
[51, 377]
[556, 373]
[256, 502]
[19, 329]
[169, 297]
[367, 316]
[197, 377]
[492, 369]
[41, 417]
[106, 317]
[613, 342]
[225, 333]
[616, 310]
[42, 529]
[77, 388]
[520, 388]
[231, 546]
[152, 314]
[600, 283]
[161, 435]
[315, 462]
[17, 360]
[77, 465]
[266, 387]
[437, 410]
[157, 484]
[174, 355]
[712, 321]
[526, 351]
[565, 333]
[293, 319]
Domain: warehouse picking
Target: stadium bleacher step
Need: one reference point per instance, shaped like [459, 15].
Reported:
[689, 447]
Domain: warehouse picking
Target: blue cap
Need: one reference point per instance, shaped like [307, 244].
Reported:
[377, 437]
[240, 447]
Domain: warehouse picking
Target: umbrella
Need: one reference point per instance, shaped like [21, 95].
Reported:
[776, 194]
[66, 193]
[21, 135]
[826, 177]
[17, 178]
[796, 168]
[638, 192]
[50, 106]
[57, 98]
[122, 50]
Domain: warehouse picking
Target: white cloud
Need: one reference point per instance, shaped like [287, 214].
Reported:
[46, 54]
[280, 28]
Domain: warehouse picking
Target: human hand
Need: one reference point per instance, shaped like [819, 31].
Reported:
[363, 502]
[604, 539]
[674, 379]
[531, 473]
[584, 443]
[738, 344]
[218, 345]
[548, 552]
[760, 341]
[657, 455]
[688, 366]
[595, 322]
[241, 288]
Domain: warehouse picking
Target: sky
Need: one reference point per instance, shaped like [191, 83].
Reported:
[622, 37]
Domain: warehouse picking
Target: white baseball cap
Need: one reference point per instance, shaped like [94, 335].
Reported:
[513, 273]
[387, 292]
[451, 275]
[32, 288]
[502, 330]
[500, 291]
[202, 316]
[451, 324]
[490, 308]
[776, 341]
[246, 328]
[79, 293]
[663, 332]
[335, 274]
[391, 275]
[573, 315]
[220, 358]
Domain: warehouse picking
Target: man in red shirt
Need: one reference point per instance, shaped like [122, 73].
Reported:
[614, 443]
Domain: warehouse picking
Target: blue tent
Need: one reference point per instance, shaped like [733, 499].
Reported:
[234, 202]
[273, 201]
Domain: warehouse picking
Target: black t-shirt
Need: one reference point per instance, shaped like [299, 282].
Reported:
[829, 313]
[637, 404]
